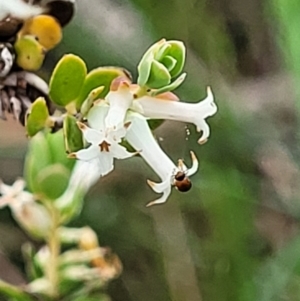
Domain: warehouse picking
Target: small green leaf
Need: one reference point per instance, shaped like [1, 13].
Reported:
[178, 52]
[37, 158]
[144, 66]
[159, 76]
[57, 149]
[72, 134]
[37, 118]
[87, 104]
[162, 51]
[102, 76]
[169, 62]
[53, 181]
[67, 79]
[175, 84]
[30, 53]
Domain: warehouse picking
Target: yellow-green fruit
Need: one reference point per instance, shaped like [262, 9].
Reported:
[45, 29]
[30, 53]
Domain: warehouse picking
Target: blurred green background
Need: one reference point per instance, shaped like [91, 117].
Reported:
[235, 235]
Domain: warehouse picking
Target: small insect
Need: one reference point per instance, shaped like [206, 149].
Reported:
[182, 182]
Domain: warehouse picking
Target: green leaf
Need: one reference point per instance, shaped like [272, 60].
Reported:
[37, 158]
[57, 149]
[30, 53]
[162, 51]
[87, 104]
[67, 79]
[144, 66]
[169, 62]
[178, 52]
[159, 76]
[102, 76]
[175, 84]
[13, 292]
[37, 118]
[53, 181]
[72, 135]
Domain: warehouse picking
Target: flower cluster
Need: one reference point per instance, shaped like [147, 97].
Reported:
[123, 115]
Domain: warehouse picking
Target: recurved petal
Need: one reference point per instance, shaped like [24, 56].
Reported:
[164, 188]
[195, 165]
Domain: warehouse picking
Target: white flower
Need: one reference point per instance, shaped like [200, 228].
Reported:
[84, 175]
[157, 108]
[104, 144]
[123, 98]
[140, 137]
[32, 216]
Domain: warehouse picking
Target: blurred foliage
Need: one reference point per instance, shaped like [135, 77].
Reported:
[215, 242]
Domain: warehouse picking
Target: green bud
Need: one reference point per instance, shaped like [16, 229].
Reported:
[162, 62]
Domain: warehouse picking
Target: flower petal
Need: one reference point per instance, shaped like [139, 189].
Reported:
[120, 152]
[164, 188]
[119, 102]
[195, 165]
[187, 112]
[97, 115]
[91, 135]
[106, 163]
[88, 154]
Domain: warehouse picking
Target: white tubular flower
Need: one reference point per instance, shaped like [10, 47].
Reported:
[119, 101]
[196, 113]
[140, 137]
[84, 175]
[32, 216]
[104, 144]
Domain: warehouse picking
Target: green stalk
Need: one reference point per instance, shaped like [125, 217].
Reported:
[54, 248]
